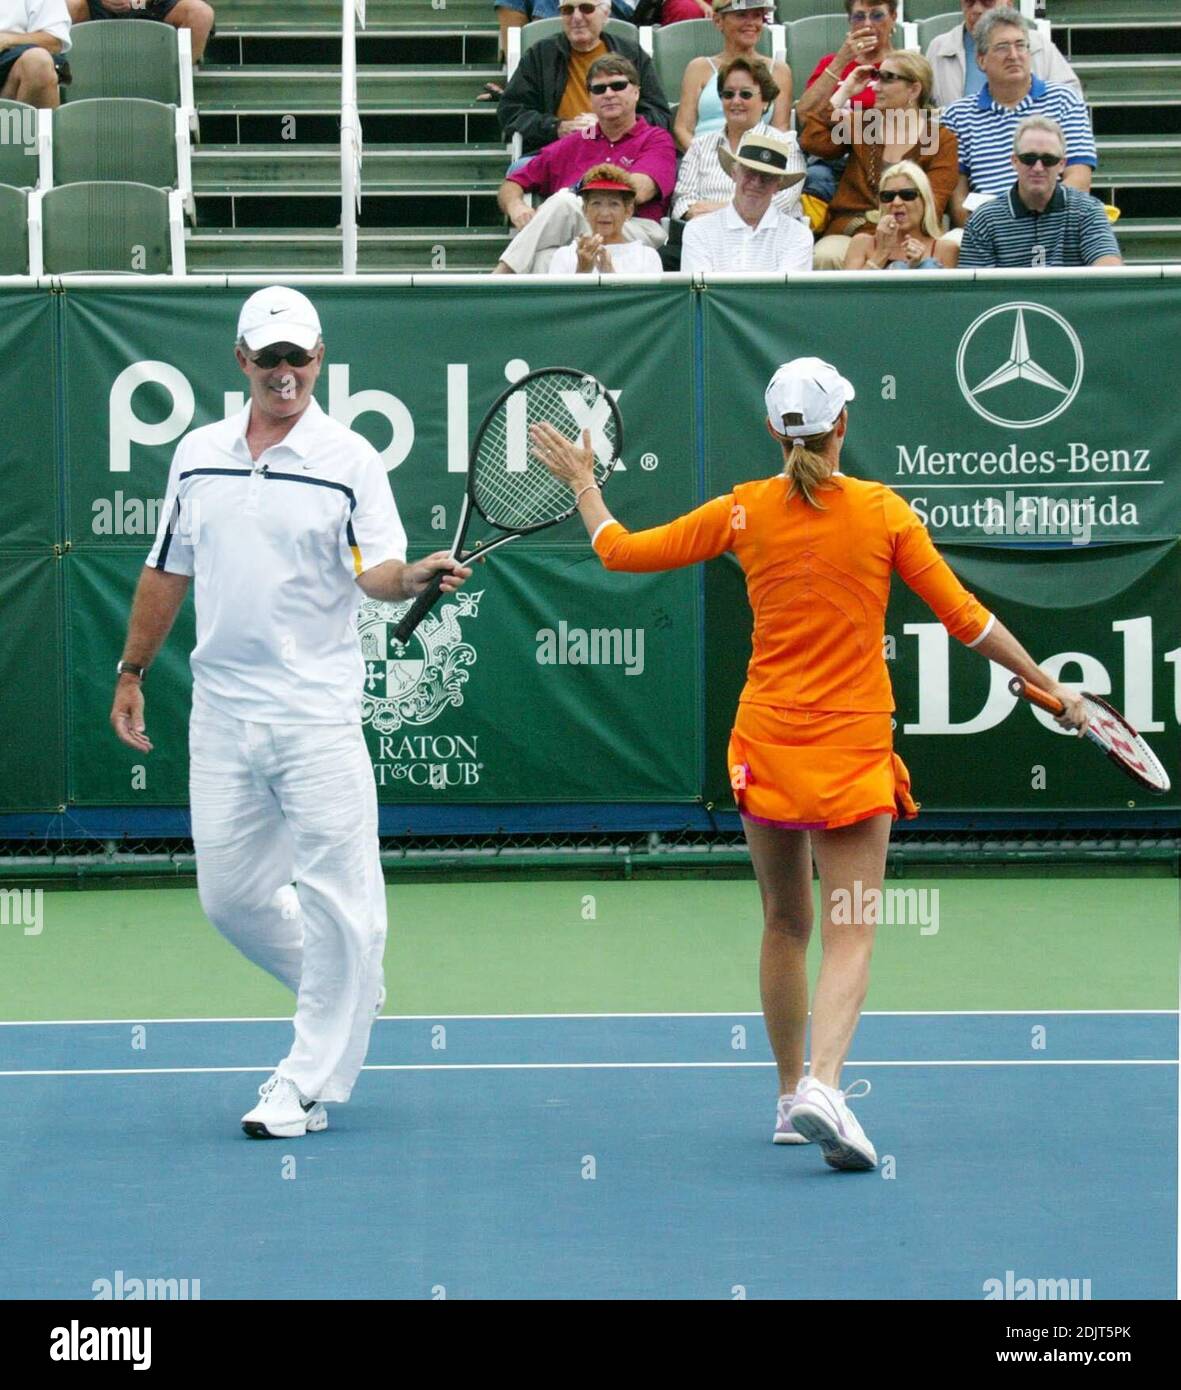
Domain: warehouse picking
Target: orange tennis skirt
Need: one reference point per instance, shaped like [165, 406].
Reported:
[804, 770]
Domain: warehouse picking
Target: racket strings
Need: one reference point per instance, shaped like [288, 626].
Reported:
[511, 488]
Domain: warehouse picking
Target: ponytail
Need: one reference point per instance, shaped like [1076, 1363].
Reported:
[806, 465]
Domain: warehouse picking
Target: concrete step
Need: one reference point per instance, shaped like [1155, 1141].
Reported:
[311, 170]
[245, 17]
[1113, 14]
[1148, 241]
[1146, 161]
[1151, 80]
[294, 89]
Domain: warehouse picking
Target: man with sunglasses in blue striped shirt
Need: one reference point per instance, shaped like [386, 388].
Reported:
[1039, 222]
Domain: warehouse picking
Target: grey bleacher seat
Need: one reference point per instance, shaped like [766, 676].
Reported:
[139, 59]
[112, 228]
[120, 139]
[18, 144]
[14, 231]
[930, 29]
[788, 10]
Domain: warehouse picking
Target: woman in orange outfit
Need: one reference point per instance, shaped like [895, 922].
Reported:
[811, 753]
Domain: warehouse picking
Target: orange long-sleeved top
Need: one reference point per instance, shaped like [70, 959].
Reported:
[818, 583]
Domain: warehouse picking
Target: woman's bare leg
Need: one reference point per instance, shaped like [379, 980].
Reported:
[783, 866]
[850, 861]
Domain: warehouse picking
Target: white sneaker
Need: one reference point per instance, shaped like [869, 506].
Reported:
[785, 1131]
[283, 1113]
[820, 1113]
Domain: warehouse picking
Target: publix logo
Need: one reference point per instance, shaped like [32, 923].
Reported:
[1020, 365]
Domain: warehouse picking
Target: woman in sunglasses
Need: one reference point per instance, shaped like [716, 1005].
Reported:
[901, 125]
[700, 111]
[907, 234]
[747, 90]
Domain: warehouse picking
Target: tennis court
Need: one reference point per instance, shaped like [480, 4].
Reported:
[589, 1111]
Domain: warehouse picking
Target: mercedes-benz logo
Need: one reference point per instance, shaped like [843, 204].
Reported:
[1022, 365]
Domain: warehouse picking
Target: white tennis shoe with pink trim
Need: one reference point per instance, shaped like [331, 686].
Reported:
[821, 1113]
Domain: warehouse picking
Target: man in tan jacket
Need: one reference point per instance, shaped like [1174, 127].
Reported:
[953, 58]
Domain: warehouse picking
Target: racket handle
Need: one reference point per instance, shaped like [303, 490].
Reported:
[1035, 695]
[420, 608]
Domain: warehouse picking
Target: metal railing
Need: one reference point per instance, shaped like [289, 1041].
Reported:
[350, 135]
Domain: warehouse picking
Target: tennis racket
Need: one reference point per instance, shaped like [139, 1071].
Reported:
[506, 485]
[1111, 732]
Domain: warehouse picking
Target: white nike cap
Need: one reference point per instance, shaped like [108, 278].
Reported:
[809, 387]
[278, 315]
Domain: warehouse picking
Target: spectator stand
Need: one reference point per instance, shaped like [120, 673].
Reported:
[1127, 54]
[267, 179]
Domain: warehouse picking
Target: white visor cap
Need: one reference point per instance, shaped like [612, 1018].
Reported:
[279, 315]
[809, 387]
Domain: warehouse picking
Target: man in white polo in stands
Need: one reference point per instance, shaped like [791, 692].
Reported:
[285, 520]
[750, 233]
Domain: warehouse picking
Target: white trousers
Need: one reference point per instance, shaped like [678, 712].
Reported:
[277, 805]
[556, 223]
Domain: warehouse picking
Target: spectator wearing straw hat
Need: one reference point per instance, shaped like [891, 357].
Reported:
[750, 233]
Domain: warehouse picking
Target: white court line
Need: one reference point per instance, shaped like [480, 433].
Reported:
[600, 1066]
[721, 1013]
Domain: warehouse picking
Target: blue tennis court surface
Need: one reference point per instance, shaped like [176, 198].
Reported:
[593, 1156]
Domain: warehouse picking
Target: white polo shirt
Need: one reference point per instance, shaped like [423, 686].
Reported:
[27, 16]
[275, 548]
[723, 241]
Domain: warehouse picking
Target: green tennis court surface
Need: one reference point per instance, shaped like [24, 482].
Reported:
[609, 946]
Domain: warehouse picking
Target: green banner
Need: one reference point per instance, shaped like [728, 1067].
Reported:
[1106, 618]
[32, 680]
[411, 370]
[1006, 415]
[29, 469]
[546, 679]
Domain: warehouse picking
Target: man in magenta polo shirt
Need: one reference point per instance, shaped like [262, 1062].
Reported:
[619, 137]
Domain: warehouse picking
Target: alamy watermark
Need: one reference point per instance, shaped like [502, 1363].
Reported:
[23, 907]
[596, 646]
[859, 125]
[124, 515]
[1049, 517]
[124, 1288]
[18, 126]
[79, 1343]
[889, 907]
[1014, 1288]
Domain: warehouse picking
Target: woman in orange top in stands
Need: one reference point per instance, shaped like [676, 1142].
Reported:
[811, 753]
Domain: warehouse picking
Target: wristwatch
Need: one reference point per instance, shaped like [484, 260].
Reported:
[129, 668]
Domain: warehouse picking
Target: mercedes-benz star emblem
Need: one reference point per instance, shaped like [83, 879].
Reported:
[1022, 365]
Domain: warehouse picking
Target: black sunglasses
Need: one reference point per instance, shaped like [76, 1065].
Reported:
[567, 10]
[1048, 161]
[908, 195]
[884, 76]
[597, 89]
[271, 357]
[729, 93]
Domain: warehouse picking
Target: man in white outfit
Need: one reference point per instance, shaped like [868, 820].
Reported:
[284, 518]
